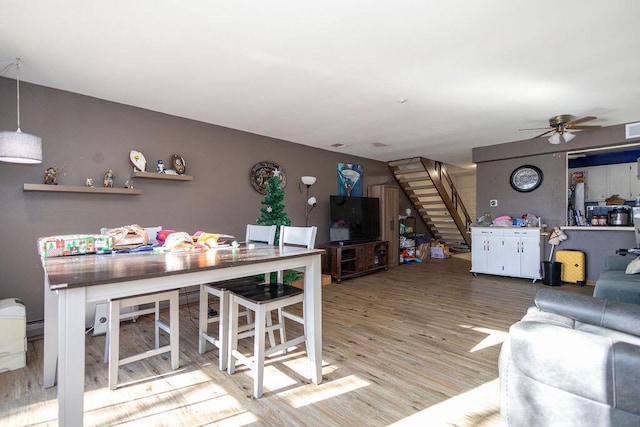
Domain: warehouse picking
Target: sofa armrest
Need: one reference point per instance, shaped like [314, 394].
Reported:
[580, 363]
[623, 317]
[617, 262]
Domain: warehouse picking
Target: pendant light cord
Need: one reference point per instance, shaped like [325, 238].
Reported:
[17, 64]
[18, 91]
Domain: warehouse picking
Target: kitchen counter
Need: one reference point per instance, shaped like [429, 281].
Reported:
[598, 228]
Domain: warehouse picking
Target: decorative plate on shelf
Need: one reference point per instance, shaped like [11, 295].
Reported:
[178, 164]
[138, 160]
[526, 178]
[262, 171]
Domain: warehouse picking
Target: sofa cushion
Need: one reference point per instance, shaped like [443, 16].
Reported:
[617, 286]
[617, 262]
[633, 267]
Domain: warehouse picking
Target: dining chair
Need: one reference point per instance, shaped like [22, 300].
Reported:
[262, 299]
[112, 344]
[118, 312]
[255, 234]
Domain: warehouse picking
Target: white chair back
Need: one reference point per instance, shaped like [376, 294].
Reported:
[298, 236]
[261, 234]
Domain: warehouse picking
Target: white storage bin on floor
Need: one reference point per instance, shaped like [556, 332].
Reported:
[13, 335]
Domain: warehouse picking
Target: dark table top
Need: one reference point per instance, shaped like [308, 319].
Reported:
[86, 270]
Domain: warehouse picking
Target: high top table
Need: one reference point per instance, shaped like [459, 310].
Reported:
[71, 282]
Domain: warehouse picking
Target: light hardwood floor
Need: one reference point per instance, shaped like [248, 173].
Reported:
[415, 345]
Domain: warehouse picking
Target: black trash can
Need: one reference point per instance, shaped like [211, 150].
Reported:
[551, 273]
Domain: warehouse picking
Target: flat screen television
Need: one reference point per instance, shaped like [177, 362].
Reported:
[354, 219]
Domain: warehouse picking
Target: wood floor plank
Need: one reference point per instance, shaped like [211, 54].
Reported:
[415, 345]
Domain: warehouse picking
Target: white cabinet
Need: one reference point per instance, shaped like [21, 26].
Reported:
[619, 180]
[486, 250]
[634, 181]
[596, 183]
[515, 252]
[604, 181]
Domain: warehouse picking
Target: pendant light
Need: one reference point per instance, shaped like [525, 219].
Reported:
[19, 147]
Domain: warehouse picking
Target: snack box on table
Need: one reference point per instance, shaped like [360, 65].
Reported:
[74, 244]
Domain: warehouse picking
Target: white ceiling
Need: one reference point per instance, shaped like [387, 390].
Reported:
[326, 72]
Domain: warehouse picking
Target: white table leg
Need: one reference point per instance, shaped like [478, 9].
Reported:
[223, 330]
[203, 317]
[71, 348]
[313, 317]
[174, 335]
[259, 350]
[50, 357]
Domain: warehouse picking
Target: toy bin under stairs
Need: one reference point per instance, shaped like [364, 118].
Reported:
[13, 335]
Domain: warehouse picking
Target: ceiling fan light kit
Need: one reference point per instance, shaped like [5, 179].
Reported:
[560, 125]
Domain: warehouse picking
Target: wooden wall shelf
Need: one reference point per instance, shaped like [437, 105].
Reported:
[165, 176]
[81, 189]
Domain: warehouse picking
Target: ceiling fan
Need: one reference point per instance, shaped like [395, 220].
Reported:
[559, 127]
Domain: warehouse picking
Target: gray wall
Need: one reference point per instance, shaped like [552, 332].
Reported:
[495, 164]
[86, 136]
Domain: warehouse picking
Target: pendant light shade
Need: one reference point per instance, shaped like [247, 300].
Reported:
[18, 147]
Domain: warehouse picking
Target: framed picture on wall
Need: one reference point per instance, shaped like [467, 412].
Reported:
[349, 179]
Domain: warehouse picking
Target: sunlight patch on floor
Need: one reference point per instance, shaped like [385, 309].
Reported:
[475, 407]
[326, 390]
[494, 337]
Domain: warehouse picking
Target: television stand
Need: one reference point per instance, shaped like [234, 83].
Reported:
[356, 259]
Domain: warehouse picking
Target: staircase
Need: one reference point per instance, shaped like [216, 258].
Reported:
[429, 186]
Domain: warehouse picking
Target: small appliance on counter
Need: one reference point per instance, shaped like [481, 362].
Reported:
[612, 215]
[620, 215]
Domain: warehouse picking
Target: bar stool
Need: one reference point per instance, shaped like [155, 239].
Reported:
[112, 344]
[262, 299]
[255, 234]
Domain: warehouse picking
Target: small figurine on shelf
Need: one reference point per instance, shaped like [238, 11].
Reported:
[178, 163]
[160, 166]
[128, 184]
[88, 182]
[51, 176]
[108, 178]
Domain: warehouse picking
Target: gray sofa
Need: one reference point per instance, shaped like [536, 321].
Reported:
[573, 360]
[613, 284]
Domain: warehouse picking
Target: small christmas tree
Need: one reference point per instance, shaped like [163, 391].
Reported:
[273, 213]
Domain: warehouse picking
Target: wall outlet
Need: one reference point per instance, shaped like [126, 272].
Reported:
[493, 203]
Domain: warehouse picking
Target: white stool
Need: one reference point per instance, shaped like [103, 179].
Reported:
[262, 299]
[112, 344]
[255, 234]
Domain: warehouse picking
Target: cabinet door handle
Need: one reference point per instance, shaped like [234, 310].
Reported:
[392, 225]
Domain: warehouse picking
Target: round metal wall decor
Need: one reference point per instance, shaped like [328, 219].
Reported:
[526, 178]
[262, 171]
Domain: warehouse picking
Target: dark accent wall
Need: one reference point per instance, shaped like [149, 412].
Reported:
[85, 136]
[495, 164]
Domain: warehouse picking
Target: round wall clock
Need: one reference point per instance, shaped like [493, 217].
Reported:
[526, 178]
[262, 171]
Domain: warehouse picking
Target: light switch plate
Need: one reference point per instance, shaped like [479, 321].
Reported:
[493, 203]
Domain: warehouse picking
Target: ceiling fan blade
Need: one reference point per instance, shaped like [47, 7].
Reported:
[583, 127]
[546, 127]
[544, 133]
[581, 120]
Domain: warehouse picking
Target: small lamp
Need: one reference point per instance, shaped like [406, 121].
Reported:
[18, 147]
[308, 181]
